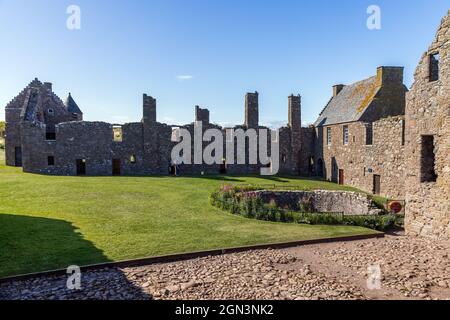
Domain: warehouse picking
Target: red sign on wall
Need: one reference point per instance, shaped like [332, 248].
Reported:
[396, 206]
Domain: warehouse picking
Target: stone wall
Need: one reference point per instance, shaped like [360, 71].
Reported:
[349, 203]
[428, 119]
[145, 147]
[360, 161]
[36, 103]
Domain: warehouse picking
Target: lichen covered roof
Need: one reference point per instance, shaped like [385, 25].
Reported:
[349, 104]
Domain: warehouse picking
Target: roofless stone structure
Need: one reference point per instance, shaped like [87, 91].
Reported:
[373, 134]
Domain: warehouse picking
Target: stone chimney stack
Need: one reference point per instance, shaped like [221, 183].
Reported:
[48, 86]
[337, 88]
[149, 109]
[251, 110]
[202, 115]
[389, 75]
[294, 112]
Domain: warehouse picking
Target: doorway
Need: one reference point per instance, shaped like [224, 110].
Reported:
[341, 177]
[320, 168]
[81, 167]
[223, 167]
[376, 184]
[116, 167]
[18, 156]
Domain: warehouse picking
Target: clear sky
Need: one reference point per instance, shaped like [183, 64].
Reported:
[206, 52]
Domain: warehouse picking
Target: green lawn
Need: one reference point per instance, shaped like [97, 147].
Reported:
[51, 222]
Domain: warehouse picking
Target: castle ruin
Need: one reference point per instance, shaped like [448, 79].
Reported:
[372, 134]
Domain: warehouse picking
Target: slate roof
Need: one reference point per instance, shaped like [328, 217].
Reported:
[71, 105]
[349, 104]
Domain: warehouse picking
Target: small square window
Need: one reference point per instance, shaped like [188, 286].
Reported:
[51, 160]
[50, 136]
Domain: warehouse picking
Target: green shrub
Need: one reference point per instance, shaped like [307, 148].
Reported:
[244, 201]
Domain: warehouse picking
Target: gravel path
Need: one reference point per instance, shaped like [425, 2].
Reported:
[411, 268]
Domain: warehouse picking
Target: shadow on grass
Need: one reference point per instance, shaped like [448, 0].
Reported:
[36, 244]
[217, 178]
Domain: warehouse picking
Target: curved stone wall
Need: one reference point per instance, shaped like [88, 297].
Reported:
[349, 203]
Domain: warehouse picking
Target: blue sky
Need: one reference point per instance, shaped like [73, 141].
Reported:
[225, 48]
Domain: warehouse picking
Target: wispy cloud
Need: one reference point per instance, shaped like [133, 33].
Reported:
[275, 124]
[120, 119]
[185, 77]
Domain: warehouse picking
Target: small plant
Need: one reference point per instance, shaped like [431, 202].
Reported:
[306, 205]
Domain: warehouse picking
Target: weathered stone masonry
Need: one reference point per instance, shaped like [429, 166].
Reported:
[45, 135]
[373, 134]
[428, 141]
[359, 136]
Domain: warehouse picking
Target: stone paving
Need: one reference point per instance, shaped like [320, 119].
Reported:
[411, 268]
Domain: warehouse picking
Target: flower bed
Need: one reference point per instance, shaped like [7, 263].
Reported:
[246, 201]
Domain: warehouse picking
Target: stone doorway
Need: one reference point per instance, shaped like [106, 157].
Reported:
[320, 168]
[116, 167]
[223, 167]
[18, 156]
[81, 167]
[334, 170]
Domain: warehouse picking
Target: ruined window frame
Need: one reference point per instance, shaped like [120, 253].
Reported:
[175, 134]
[434, 60]
[428, 172]
[50, 160]
[369, 129]
[133, 159]
[50, 136]
[117, 137]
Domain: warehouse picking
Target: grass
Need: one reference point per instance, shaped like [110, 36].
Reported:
[51, 222]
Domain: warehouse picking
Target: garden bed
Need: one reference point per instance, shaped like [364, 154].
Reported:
[273, 205]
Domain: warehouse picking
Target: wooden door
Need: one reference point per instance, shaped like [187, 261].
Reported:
[376, 184]
[341, 176]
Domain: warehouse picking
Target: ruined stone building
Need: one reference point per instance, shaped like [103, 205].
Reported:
[428, 141]
[373, 135]
[45, 135]
[360, 134]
